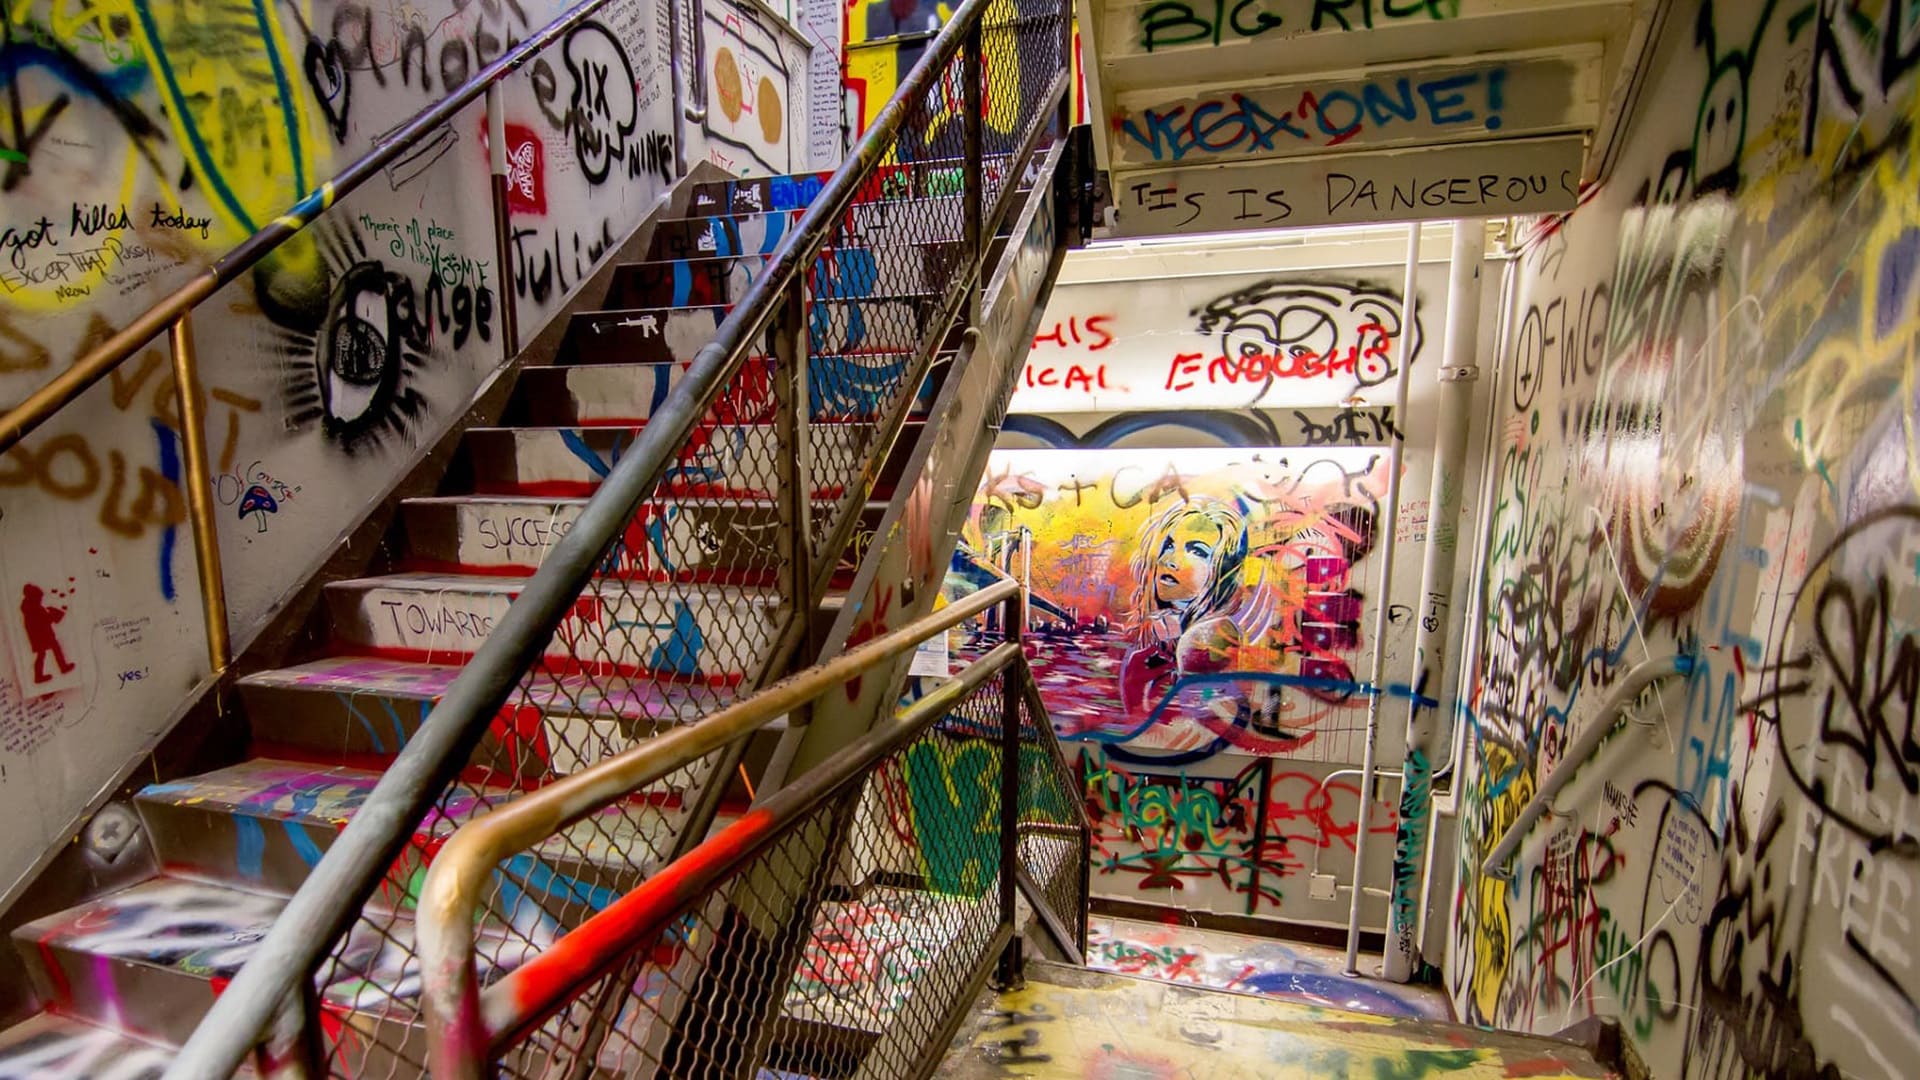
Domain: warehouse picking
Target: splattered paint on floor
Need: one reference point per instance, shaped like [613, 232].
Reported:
[1073, 1024]
[1288, 970]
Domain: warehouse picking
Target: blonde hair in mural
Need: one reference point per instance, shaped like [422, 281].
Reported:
[1225, 560]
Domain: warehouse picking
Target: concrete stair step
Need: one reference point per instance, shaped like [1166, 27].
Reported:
[48, 1046]
[361, 710]
[882, 221]
[148, 960]
[733, 460]
[700, 633]
[865, 955]
[840, 387]
[722, 541]
[263, 824]
[839, 273]
[890, 324]
[942, 176]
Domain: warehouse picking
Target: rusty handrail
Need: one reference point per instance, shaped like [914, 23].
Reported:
[527, 995]
[457, 878]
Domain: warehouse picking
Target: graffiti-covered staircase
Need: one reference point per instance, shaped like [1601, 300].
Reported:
[685, 611]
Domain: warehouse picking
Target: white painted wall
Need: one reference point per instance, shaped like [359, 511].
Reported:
[1125, 386]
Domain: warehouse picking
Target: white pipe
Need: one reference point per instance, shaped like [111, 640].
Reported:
[1409, 310]
[1476, 637]
[1604, 721]
[1459, 371]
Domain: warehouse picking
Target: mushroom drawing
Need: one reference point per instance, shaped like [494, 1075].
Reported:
[258, 502]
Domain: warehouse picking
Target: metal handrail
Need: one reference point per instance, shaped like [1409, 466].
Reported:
[534, 990]
[329, 900]
[457, 878]
[1610, 715]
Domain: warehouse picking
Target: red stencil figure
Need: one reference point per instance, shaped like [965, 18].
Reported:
[40, 619]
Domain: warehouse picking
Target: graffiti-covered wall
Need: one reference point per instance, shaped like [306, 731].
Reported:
[1708, 449]
[886, 38]
[139, 139]
[1203, 461]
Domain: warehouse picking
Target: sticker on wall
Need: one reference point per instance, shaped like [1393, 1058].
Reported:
[1193, 602]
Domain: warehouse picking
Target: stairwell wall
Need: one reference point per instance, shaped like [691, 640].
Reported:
[1709, 449]
[1238, 397]
[145, 137]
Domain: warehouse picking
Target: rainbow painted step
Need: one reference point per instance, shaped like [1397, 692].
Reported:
[838, 274]
[364, 709]
[721, 541]
[873, 324]
[735, 460]
[903, 222]
[147, 961]
[626, 395]
[696, 633]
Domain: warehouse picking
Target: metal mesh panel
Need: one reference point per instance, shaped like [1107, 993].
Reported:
[1052, 835]
[841, 948]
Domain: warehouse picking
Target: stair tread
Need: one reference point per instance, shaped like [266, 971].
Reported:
[599, 696]
[49, 1046]
[207, 932]
[512, 499]
[795, 212]
[328, 796]
[863, 298]
[911, 928]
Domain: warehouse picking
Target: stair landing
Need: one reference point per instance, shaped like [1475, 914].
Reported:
[1073, 1023]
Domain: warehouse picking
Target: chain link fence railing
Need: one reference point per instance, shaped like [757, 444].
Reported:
[688, 579]
[839, 930]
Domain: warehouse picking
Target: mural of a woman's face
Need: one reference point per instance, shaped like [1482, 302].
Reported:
[1183, 568]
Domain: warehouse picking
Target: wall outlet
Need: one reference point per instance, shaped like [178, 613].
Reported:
[1321, 886]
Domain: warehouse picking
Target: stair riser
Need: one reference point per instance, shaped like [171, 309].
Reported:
[154, 968]
[644, 633]
[273, 855]
[770, 193]
[735, 461]
[151, 968]
[732, 541]
[839, 273]
[628, 394]
[48, 1046]
[666, 335]
[868, 224]
[367, 728]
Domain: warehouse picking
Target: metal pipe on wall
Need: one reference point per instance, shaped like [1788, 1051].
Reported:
[1409, 309]
[1425, 719]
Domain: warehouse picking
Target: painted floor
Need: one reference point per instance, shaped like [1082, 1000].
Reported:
[1072, 1024]
[1287, 970]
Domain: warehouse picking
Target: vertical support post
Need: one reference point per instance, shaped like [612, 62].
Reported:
[502, 221]
[973, 75]
[1424, 716]
[1010, 961]
[1069, 61]
[796, 457]
[198, 483]
[1409, 308]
